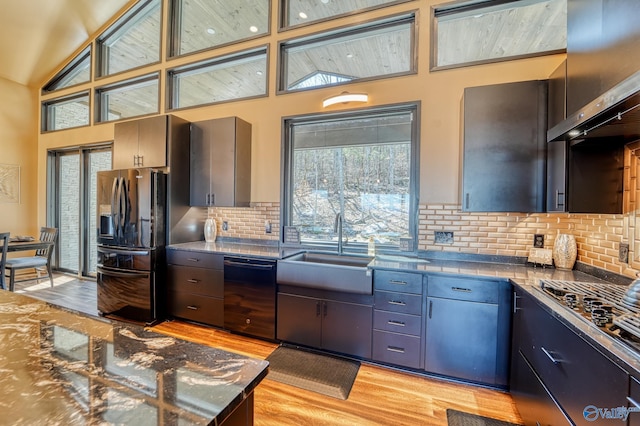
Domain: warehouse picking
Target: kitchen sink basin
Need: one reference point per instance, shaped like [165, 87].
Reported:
[327, 271]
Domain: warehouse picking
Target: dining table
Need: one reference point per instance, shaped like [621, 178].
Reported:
[23, 245]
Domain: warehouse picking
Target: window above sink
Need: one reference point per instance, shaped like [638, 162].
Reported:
[360, 164]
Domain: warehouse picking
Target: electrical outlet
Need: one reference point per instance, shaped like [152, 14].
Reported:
[225, 225]
[444, 237]
[538, 240]
[267, 227]
[623, 253]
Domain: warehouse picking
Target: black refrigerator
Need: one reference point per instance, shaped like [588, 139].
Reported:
[131, 208]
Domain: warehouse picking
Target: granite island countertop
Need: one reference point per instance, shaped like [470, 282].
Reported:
[61, 367]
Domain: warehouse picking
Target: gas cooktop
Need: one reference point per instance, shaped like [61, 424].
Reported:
[600, 303]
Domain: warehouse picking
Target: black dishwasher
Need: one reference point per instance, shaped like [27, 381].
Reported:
[250, 296]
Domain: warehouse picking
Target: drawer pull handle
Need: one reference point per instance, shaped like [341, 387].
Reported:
[548, 354]
[395, 349]
[193, 259]
[398, 323]
[397, 302]
[461, 289]
[396, 282]
[633, 402]
[193, 281]
[193, 308]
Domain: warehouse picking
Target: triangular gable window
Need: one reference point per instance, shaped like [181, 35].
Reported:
[77, 71]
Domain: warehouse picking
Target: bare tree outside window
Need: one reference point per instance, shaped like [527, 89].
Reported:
[360, 167]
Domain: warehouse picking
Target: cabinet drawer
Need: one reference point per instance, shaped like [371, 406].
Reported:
[561, 357]
[207, 310]
[185, 279]
[397, 322]
[195, 258]
[397, 281]
[473, 290]
[395, 348]
[398, 302]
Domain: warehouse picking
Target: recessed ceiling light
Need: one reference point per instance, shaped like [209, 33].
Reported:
[259, 72]
[325, 1]
[302, 15]
[349, 55]
[211, 31]
[253, 29]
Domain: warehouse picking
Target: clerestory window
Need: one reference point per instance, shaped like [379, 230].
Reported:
[480, 31]
[132, 41]
[77, 71]
[374, 50]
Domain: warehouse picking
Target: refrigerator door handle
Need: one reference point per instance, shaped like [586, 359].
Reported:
[114, 212]
[122, 207]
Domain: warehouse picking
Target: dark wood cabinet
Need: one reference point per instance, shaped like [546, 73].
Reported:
[140, 143]
[398, 318]
[557, 150]
[633, 401]
[504, 150]
[331, 325]
[559, 358]
[195, 286]
[468, 329]
[220, 163]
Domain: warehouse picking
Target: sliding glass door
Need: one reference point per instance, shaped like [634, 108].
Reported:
[72, 201]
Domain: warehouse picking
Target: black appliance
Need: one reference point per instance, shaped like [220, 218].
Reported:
[250, 296]
[623, 323]
[131, 238]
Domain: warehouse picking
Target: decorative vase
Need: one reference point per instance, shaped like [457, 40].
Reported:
[210, 230]
[564, 251]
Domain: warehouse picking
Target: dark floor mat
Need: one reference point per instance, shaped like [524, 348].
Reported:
[324, 374]
[459, 418]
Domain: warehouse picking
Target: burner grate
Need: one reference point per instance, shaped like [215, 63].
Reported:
[609, 293]
[629, 323]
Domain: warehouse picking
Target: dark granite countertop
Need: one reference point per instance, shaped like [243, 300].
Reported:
[60, 367]
[266, 251]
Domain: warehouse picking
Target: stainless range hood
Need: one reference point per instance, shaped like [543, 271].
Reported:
[615, 115]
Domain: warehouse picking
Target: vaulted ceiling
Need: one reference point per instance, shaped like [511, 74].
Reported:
[36, 36]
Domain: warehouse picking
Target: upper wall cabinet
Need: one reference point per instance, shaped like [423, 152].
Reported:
[140, 143]
[221, 163]
[602, 47]
[557, 150]
[504, 147]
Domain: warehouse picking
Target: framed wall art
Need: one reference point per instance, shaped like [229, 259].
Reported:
[9, 183]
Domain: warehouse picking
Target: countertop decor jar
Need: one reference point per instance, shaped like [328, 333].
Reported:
[565, 251]
[210, 230]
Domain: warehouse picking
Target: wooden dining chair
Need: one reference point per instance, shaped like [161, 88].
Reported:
[4, 242]
[41, 261]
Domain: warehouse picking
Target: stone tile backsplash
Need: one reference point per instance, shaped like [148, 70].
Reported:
[598, 236]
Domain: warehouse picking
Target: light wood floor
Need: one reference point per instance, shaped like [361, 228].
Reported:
[380, 396]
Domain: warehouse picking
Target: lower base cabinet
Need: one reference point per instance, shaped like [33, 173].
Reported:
[578, 377]
[468, 329]
[535, 405]
[325, 324]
